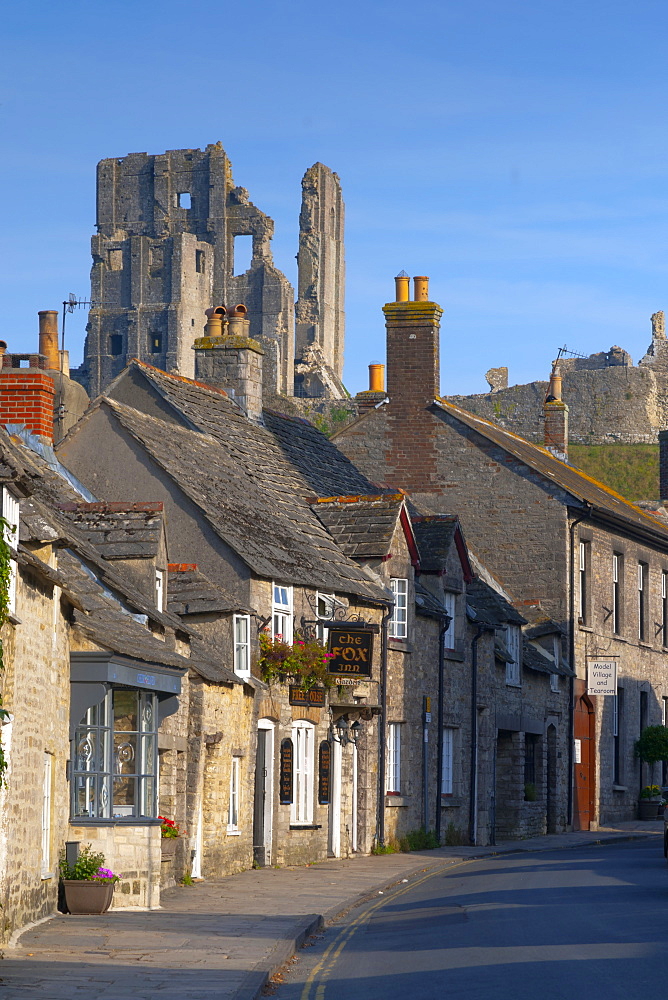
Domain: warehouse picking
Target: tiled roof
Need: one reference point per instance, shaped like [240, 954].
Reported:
[190, 592]
[119, 530]
[490, 607]
[580, 486]
[362, 526]
[247, 492]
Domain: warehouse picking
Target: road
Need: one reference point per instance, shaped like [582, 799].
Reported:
[590, 922]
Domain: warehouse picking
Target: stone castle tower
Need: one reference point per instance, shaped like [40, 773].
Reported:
[164, 253]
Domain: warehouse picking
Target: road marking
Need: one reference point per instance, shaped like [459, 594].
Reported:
[324, 968]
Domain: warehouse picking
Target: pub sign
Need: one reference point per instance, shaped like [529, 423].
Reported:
[285, 781]
[351, 653]
[324, 772]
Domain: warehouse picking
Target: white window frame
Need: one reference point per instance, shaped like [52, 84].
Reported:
[450, 603]
[46, 816]
[447, 768]
[325, 604]
[11, 513]
[393, 777]
[303, 742]
[513, 645]
[160, 589]
[282, 611]
[554, 683]
[235, 797]
[399, 619]
[583, 595]
[242, 650]
[615, 592]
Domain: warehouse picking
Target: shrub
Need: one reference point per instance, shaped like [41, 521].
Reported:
[652, 746]
[418, 840]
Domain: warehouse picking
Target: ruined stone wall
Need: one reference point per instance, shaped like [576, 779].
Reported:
[164, 253]
[320, 301]
[610, 400]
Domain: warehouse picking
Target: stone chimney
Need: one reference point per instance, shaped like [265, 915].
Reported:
[413, 328]
[26, 393]
[228, 358]
[375, 394]
[556, 417]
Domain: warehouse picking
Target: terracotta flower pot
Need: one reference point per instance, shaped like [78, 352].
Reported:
[168, 848]
[82, 896]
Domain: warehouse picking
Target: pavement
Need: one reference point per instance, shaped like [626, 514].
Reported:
[223, 939]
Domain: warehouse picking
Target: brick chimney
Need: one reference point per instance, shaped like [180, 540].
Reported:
[556, 417]
[413, 328]
[26, 393]
[227, 358]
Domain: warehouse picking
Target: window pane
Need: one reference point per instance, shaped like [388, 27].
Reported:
[125, 710]
[125, 754]
[125, 796]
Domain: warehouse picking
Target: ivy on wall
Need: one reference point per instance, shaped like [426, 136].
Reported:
[5, 574]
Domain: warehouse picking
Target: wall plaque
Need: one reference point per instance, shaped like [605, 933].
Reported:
[313, 698]
[352, 653]
[602, 677]
[324, 771]
[285, 781]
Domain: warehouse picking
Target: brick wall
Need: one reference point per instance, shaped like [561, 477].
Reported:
[26, 397]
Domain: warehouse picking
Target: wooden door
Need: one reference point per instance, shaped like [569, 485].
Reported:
[583, 729]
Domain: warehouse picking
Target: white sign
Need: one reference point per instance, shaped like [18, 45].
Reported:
[577, 751]
[602, 677]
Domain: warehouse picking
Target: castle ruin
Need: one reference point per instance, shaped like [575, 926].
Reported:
[164, 253]
[610, 400]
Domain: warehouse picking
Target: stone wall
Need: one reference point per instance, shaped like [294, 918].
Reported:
[35, 691]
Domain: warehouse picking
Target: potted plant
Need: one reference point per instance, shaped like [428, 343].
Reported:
[169, 834]
[88, 885]
[304, 661]
[651, 802]
[652, 747]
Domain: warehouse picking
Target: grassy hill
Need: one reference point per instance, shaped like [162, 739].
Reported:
[630, 469]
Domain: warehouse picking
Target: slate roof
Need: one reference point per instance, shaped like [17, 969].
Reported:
[293, 450]
[247, 493]
[580, 486]
[539, 660]
[426, 603]
[119, 530]
[190, 592]
[434, 535]
[491, 607]
[362, 526]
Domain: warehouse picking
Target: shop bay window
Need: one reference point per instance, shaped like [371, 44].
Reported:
[114, 761]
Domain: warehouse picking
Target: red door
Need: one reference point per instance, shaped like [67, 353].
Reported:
[584, 764]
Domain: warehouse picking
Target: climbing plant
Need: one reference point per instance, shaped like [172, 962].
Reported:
[5, 576]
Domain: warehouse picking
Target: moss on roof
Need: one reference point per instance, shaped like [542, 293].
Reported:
[629, 469]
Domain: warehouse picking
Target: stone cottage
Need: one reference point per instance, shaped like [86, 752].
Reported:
[573, 552]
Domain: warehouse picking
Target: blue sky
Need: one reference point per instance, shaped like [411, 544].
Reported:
[514, 151]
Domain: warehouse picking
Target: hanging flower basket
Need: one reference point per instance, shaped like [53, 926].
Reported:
[304, 662]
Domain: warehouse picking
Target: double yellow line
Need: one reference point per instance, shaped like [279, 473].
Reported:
[323, 969]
